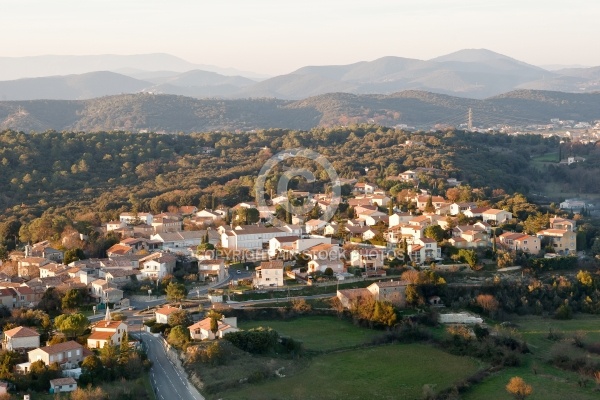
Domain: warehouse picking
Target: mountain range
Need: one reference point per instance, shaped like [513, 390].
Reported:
[172, 114]
[472, 73]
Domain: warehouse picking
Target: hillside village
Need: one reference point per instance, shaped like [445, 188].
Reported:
[376, 233]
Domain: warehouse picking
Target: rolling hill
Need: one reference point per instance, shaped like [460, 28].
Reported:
[169, 113]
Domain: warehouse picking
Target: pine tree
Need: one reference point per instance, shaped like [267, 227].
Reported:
[124, 350]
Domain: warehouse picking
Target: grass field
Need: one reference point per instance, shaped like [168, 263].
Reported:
[548, 384]
[385, 372]
[318, 333]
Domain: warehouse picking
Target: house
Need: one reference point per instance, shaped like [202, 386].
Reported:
[399, 218]
[392, 291]
[20, 338]
[44, 250]
[167, 222]
[562, 240]
[408, 176]
[119, 249]
[211, 269]
[461, 208]
[106, 332]
[424, 250]
[157, 265]
[188, 210]
[520, 241]
[63, 385]
[254, 237]
[52, 269]
[367, 258]
[185, 239]
[119, 276]
[24, 297]
[29, 267]
[7, 297]
[337, 266]
[114, 225]
[476, 212]
[162, 314]
[270, 273]
[201, 329]
[422, 201]
[314, 225]
[68, 354]
[207, 216]
[282, 244]
[128, 218]
[364, 188]
[562, 223]
[497, 216]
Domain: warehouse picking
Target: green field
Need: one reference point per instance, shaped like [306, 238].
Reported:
[548, 384]
[318, 333]
[385, 372]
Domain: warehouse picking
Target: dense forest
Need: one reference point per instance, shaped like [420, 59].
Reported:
[94, 176]
[173, 114]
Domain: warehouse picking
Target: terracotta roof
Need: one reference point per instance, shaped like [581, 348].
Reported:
[276, 264]
[21, 331]
[167, 310]
[119, 249]
[494, 211]
[99, 335]
[205, 325]
[61, 347]
[108, 324]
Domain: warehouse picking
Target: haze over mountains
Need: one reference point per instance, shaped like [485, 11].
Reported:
[467, 73]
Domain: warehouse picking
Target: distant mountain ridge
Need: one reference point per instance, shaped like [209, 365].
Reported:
[172, 114]
[469, 73]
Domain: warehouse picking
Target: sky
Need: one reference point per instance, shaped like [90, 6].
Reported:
[278, 36]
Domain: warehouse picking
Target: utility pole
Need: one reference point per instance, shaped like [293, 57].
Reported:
[470, 120]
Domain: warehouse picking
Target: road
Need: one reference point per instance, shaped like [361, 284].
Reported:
[168, 381]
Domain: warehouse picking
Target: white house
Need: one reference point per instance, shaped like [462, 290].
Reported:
[106, 333]
[201, 329]
[63, 385]
[211, 269]
[184, 239]
[131, 218]
[399, 218]
[424, 250]
[270, 273]
[19, 338]
[314, 225]
[157, 265]
[497, 216]
[337, 266]
[253, 237]
[369, 258]
[162, 314]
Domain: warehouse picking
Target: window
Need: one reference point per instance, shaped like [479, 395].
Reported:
[69, 354]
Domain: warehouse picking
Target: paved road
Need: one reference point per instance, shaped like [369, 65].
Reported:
[167, 380]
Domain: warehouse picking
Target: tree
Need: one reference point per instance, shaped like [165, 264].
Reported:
[413, 295]
[585, 278]
[71, 325]
[176, 292]
[518, 388]
[179, 336]
[488, 302]
[596, 246]
[215, 317]
[124, 350]
[248, 216]
[50, 302]
[88, 394]
[429, 207]
[328, 271]
[468, 256]
[434, 232]
[72, 299]
[384, 314]
[91, 367]
[180, 317]
[73, 255]
[109, 355]
[505, 259]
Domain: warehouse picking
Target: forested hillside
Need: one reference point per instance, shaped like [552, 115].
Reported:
[93, 176]
[173, 114]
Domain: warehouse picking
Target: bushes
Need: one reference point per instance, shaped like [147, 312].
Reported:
[255, 341]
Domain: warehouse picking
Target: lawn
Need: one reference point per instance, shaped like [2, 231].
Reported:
[548, 384]
[319, 333]
[386, 372]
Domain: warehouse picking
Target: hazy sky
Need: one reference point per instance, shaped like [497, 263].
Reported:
[278, 36]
